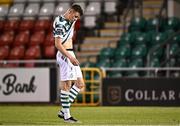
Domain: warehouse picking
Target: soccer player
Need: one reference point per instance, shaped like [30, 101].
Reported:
[70, 72]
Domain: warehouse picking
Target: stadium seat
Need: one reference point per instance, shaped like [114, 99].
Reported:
[152, 24]
[110, 7]
[172, 24]
[115, 74]
[4, 52]
[140, 39]
[125, 38]
[17, 52]
[22, 38]
[174, 49]
[11, 25]
[33, 52]
[169, 33]
[139, 51]
[103, 63]
[42, 24]
[176, 39]
[3, 11]
[172, 62]
[123, 51]
[61, 8]
[37, 38]
[93, 8]
[49, 51]
[134, 63]
[158, 53]
[119, 63]
[154, 62]
[7, 38]
[90, 22]
[31, 11]
[50, 27]
[16, 11]
[106, 53]
[158, 38]
[132, 74]
[49, 39]
[46, 11]
[26, 25]
[137, 24]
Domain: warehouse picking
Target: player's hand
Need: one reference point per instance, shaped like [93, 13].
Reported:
[74, 61]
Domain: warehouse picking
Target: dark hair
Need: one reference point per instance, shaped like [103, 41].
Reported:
[77, 8]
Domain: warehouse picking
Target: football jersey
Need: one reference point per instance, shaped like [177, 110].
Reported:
[63, 28]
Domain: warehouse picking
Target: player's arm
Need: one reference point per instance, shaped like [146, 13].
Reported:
[61, 48]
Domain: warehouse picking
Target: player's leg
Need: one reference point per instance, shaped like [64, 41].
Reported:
[75, 89]
[78, 83]
[64, 87]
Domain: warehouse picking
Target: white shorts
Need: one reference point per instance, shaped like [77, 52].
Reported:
[67, 70]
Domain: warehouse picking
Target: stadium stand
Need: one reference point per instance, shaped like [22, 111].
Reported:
[28, 24]
[102, 40]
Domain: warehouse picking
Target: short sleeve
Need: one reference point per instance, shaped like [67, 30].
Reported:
[58, 29]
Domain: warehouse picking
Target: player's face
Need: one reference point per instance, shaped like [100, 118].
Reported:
[74, 16]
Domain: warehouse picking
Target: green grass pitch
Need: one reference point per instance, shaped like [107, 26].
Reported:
[47, 115]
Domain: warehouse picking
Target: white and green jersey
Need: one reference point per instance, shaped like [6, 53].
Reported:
[63, 28]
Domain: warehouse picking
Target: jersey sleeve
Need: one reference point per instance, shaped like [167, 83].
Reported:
[58, 29]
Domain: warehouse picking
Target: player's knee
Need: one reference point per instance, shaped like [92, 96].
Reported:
[80, 85]
[65, 86]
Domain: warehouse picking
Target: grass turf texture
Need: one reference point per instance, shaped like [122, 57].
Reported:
[47, 115]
